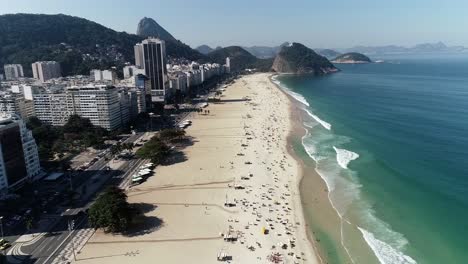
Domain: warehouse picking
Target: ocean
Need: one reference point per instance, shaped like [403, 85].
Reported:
[390, 140]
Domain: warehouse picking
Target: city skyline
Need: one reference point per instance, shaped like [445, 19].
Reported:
[316, 24]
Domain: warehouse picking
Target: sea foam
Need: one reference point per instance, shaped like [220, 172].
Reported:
[320, 121]
[384, 252]
[344, 157]
[296, 96]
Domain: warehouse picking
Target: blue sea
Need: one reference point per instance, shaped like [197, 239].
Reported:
[391, 142]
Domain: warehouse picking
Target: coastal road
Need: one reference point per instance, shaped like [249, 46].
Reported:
[44, 247]
[54, 246]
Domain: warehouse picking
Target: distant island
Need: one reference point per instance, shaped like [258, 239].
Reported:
[352, 57]
[297, 58]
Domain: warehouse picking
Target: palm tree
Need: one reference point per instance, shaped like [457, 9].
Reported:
[29, 223]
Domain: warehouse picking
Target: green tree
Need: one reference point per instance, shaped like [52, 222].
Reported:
[170, 134]
[77, 124]
[155, 150]
[111, 211]
[28, 222]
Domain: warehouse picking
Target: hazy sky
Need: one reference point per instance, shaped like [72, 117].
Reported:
[318, 24]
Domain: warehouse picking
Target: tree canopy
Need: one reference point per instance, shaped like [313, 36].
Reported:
[111, 211]
[76, 134]
[155, 150]
[171, 134]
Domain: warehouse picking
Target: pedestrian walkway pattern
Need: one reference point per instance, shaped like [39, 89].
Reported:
[15, 254]
[80, 238]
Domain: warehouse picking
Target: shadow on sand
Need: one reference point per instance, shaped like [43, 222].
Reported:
[143, 224]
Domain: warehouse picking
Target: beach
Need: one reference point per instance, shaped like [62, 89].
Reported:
[233, 190]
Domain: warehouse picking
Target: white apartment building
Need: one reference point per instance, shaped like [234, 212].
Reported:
[46, 70]
[101, 104]
[13, 71]
[178, 81]
[105, 75]
[19, 158]
[14, 103]
[228, 65]
[26, 90]
[132, 70]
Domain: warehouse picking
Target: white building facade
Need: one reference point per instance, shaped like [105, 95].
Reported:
[46, 70]
[103, 105]
[13, 71]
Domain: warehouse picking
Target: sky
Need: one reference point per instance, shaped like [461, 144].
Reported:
[318, 24]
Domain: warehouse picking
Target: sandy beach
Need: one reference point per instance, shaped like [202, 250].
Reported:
[238, 156]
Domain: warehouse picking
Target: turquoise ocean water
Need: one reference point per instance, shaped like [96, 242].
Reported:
[391, 142]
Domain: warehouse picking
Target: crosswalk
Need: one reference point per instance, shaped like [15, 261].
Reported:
[80, 238]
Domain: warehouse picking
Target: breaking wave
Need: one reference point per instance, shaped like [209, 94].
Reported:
[344, 157]
[384, 252]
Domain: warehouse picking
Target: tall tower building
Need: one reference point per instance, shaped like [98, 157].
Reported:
[13, 71]
[138, 49]
[154, 63]
[46, 70]
[228, 65]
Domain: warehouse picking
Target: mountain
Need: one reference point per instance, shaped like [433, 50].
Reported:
[204, 49]
[148, 27]
[327, 53]
[352, 57]
[79, 45]
[264, 52]
[297, 58]
[240, 59]
[430, 47]
[420, 48]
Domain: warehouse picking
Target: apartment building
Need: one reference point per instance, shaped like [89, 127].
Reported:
[19, 158]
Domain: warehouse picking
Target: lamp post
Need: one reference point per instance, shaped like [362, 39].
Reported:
[151, 121]
[1, 225]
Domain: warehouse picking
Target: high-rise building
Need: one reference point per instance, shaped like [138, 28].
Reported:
[228, 65]
[13, 71]
[101, 104]
[46, 70]
[138, 50]
[14, 103]
[154, 64]
[19, 158]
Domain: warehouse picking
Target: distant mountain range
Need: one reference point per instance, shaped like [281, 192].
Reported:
[328, 53]
[270, 52]
[205, 49]
[438, 47]
[261, 52]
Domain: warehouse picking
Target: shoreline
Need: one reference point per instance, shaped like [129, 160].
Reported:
[325, 228]
[223, 143]
[296, 128]
[295, 118]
